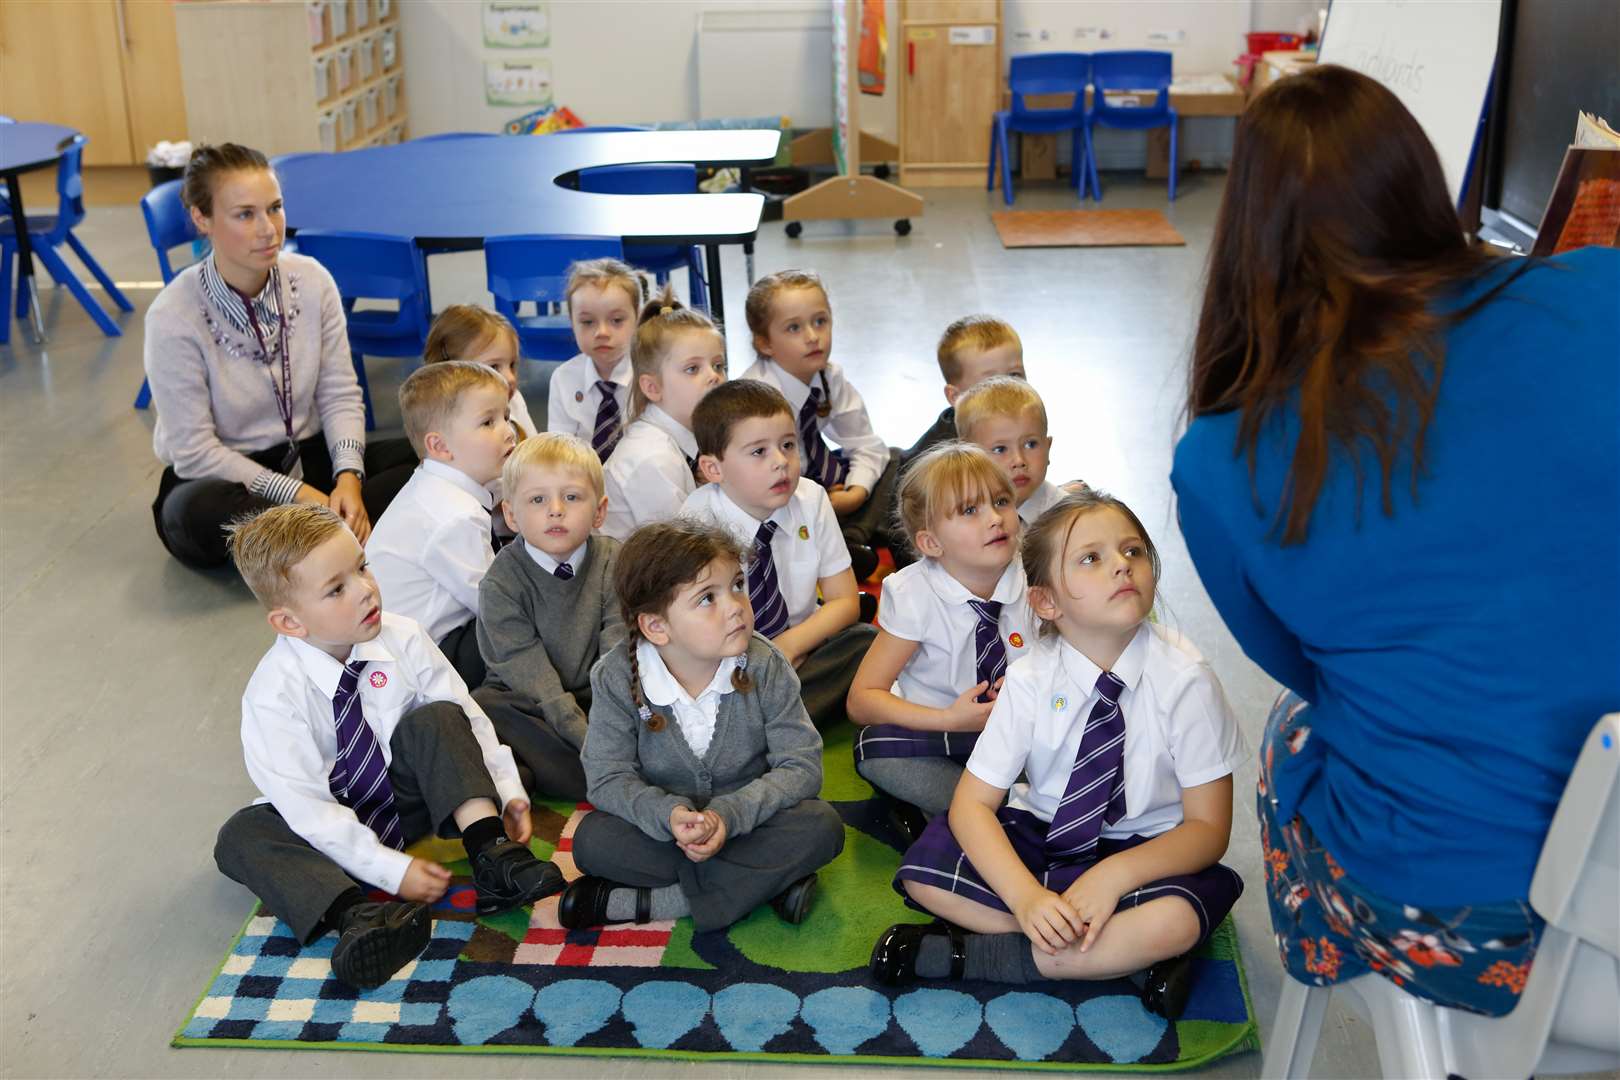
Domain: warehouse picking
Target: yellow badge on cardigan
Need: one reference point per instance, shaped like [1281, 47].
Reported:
[804, 532]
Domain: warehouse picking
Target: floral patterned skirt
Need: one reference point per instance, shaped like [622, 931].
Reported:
[1329, 928]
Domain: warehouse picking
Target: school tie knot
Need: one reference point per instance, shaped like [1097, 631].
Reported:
[763, 538]
[807, 411]
[350, 679]
[564, 571]
[1109, 687]
[989, 652]
[988, 611]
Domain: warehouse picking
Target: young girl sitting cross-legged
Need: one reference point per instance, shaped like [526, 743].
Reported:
[699, 758]
[1104, 860]
[949, 625]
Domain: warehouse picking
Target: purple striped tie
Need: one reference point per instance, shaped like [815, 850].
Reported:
[824, 466]
[764, 593]
[1095, 795]
[606, 434]
[990, 655]
[360, 777]
[563, 571]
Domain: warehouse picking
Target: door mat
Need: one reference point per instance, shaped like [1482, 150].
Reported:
[1085, 228]
[761, 990]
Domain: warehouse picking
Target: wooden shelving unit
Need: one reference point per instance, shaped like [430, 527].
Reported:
[351, 92]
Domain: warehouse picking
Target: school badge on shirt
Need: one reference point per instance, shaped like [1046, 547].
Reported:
[804, 532]
[1060, 703]
[579, 395]
[1016, 640]
[378, 680]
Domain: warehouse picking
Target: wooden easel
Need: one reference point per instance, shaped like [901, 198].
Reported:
[849, 194]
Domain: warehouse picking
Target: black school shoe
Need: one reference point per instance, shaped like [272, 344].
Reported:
[507, 875]
[894, 957]
[1168, 986]
[792, 904]
[862, 559]
[584, 903]
[377, 939]
[907, 820]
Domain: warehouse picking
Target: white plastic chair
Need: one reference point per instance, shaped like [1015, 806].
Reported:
[1567, 1019]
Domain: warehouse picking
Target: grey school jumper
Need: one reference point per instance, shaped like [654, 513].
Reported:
[761, 774]
[540, 635]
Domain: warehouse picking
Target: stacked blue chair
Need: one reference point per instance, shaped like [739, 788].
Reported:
[1042, 73]
[534, 269]
[661, 259]
[48, 233]
[367, 266]
[168, 225]
[1130, 71]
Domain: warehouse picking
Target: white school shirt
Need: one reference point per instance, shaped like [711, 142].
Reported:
[696, 719]
[1179, 730]
[848, 423]
[648, 477]
[517, 410]
[1039, 501]
[924, 604]
[289, 736]
[575, 398]
[808, 544]
[549, 565]
[431, 547]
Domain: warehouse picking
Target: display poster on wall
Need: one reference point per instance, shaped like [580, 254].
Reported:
[517, 24]
[525, 82]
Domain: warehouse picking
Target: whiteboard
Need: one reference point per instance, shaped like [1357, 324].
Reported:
[1437, 58]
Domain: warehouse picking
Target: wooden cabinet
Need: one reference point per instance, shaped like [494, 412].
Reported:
[105, 67]
[949, 89]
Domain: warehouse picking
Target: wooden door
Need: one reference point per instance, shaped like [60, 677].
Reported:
[950, 97]
[157, 105]
[60, 63]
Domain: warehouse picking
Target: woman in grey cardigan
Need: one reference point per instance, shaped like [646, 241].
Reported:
[701, 761]
[247, 354]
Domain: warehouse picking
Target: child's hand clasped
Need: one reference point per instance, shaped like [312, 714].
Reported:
[424, 882]
[967, 712]
[1049, 921]
[699, 850]
[688, 826]
[1094, 900]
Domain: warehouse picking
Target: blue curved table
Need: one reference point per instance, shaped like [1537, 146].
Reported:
[452, 193]
[25, 147]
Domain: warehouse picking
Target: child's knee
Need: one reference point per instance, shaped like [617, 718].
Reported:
[826, 829]
[233, 837]
[1174, 928]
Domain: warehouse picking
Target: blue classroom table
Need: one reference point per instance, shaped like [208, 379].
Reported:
[452, 193]
[25, 147]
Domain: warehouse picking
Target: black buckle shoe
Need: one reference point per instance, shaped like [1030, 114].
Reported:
[894, 957]
[792, 904]
[1168, 986]
[584, 903]
[377, 939]
[907, 820]
[862, 560]
[507, 875]
[869, 607]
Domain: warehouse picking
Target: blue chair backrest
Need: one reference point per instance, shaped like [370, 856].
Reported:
[536, 267]
[369, 266]
[69, 190]
[1127, 69]
[640, 180]
[1048, 73]
[168, 223]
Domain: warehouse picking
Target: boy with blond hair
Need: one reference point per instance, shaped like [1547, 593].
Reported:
[432, 546]
[546, 608]
[972, 349]
[361, 739]
[1006, 418]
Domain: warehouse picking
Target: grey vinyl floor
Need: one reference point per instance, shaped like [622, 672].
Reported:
[122, 671]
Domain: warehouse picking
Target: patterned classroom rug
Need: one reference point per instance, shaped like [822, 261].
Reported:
[762, 990]
[1085, 228]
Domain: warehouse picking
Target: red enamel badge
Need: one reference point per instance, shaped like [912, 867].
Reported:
[1016, 641]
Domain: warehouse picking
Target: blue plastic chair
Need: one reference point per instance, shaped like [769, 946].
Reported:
[660, 259]
[367, 266]
[168, 225]
[535, 268]
[1042, 73]
[50, 232]
[1125, 71]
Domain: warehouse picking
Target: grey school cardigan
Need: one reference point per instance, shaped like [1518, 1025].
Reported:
[540, 635]
[212, 392]
[765, 755]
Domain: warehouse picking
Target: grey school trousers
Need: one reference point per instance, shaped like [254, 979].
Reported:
[744, 873]
[551, 757]
[436, 766]
[826, 673]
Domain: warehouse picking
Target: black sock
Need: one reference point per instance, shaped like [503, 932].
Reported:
[1003, 958]
[483, 833]
[347, 899]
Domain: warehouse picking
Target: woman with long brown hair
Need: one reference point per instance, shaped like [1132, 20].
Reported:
[1400, 483]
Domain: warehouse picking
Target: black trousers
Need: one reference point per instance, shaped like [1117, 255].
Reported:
[436, 766]
[191, 515]
[460, 647]
[871, 523]
[744, 873]
[827, 672]
[550, 754]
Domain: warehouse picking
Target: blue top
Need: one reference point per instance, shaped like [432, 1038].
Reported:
[1457, 653]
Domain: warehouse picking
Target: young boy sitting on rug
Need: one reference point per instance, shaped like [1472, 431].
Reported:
[361, 739]
[546, 609]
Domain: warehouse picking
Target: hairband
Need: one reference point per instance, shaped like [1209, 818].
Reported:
[665, 310]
